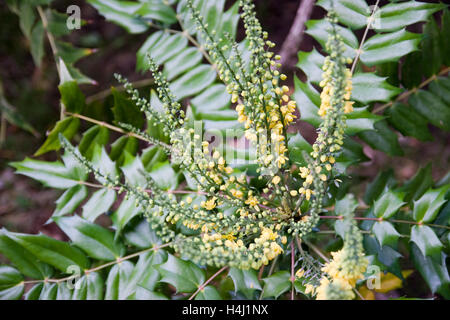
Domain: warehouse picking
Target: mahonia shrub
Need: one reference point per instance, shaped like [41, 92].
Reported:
[191, 200]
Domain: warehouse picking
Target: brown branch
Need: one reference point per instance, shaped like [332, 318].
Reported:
[294, 38]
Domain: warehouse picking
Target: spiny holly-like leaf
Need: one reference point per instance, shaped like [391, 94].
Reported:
[51, 174]
[67, 127]
[426, 240]
[368, 87]
[125, 111]
[95, 240]
[382, 138]
[69, 201]
[126, 211]
[245, 281]
[140, 234]
[11, 285]
[22, 259]
[57, 253]
[183, 275]
[144, 273]
[417, 185]
[427, 207]
[388, 204]
[276, 284]
[121, 13]
[383, 48]
[385, 233]
[96, 135]
[408, 121]
[72, 97]
[319, 30]
[208, 293]
[435, 273]
[89, 287]
[350, 12]
[98, 203]
[375, 188]
[432, 108]
[117, 281]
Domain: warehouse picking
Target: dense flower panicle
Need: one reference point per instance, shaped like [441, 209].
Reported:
[345, 269]
[231, 221]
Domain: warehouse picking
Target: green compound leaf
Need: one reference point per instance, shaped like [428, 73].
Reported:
[126, 211]
[385, 233]
[34, 292]
[11, 285]
[388, 47]
[57, 253]
[72, 97]
[427, 207]
[311, 64]
[418, 185]
[193, 81]
[67, 127]
[208, 293]
[93, 239]
[125, 111]
[426, 240]
[349, 12]
[22, 259]
[276, 284]
[98, 203]
[395, 16]
[388, 204]
[408, 121]
[89, 287]
[382, 181]
[70, 200]
[245, 281]
[117, 281]
[96, 135]
[157, 10]
[52, 174]
[183, 61]
[64, 292]
[382, 138]
[368, 87]
[318, 29]
[435, 273]
[145, 274]
[185, 276]
[432, 108]
[141, 235]
[122, 13]
[49, 291]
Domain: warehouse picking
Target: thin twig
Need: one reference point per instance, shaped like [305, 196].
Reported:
[406, 94]
[272, 267]
[369, 24]
[201, 287]
[292, 269]
[86, 271]
[114, 128]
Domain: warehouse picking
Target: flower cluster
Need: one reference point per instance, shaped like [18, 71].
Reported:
[230, 220]
[335, 104]
[344, 270]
